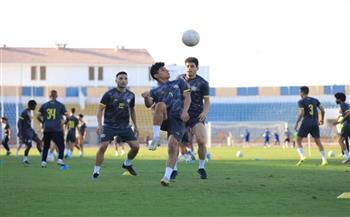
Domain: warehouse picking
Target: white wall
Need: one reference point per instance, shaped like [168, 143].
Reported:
[72, 75]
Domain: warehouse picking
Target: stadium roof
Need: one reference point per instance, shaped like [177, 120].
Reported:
[63, 55]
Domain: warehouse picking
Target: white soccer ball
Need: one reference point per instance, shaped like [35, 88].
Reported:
[331, 154]
[190, 38]
[239, 154]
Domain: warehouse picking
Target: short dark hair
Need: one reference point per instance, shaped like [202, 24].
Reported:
[72, 110]
[121, 73]
[31, 103]
[341, 96]
[81, 115]
[4, 118]
[192, 60]
[304, 89]
[155, 67]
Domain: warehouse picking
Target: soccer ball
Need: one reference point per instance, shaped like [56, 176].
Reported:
[331, 154]
[190, 38]
[239, 154]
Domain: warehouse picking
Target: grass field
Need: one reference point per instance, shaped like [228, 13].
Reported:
[265, 182]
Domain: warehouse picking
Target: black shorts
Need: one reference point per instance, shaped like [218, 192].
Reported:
[56, 137]
[287, 140]
[174, 126]
[304, 130]
[345, 131]
[125, 134]
[71, 137]
[28, 138]
[193, 121]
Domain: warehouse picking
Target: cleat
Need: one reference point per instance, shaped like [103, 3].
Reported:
[346, 161]
[202, 173]
[130, 170]
[95, 176]
[301, 161]
[165, 182]
[154, 144]
[64, 167]
[43, 164]
[173, 175]
[25, 162]
[60, 162]
[324, 163]
[8, 153]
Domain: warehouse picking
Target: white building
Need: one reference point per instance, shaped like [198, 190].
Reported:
[63, 66]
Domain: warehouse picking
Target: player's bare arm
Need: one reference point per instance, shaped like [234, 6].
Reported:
[100, 110]
[300, 116]
[187, 102]
[202, 116]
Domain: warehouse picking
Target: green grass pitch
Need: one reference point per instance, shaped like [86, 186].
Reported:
[265, 182]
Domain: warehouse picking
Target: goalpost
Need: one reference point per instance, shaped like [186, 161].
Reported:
[230, 133]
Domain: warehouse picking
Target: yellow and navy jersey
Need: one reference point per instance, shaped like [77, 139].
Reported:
[309, 105]
[52, 113]
[171, 93]
[199, 90]
[72, 123]
[117, 108]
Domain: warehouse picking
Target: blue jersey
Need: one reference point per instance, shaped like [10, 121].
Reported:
[171, 93]
[199, 89]
[344, 108]
[25, 123]
[277, 137]
[117, 108]
[309, 105]
[52, 112]
[72, 124]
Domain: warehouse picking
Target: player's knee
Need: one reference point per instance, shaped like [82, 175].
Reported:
[103, 147]
[161, 106]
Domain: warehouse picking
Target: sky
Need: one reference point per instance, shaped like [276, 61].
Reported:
[245, 43]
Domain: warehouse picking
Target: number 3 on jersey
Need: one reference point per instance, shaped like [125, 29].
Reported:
[51, 113]
[311, 108]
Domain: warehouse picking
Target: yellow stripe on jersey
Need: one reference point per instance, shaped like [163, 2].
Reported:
[102, 104]
[347, 111]
[206, 96]
[187, 90]
[21, 118]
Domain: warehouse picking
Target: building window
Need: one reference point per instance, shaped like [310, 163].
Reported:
[91, 73]
[33, 73]
[42, 72]
[242, 91]
[32, 91]
[100, 74]
[72, 91]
